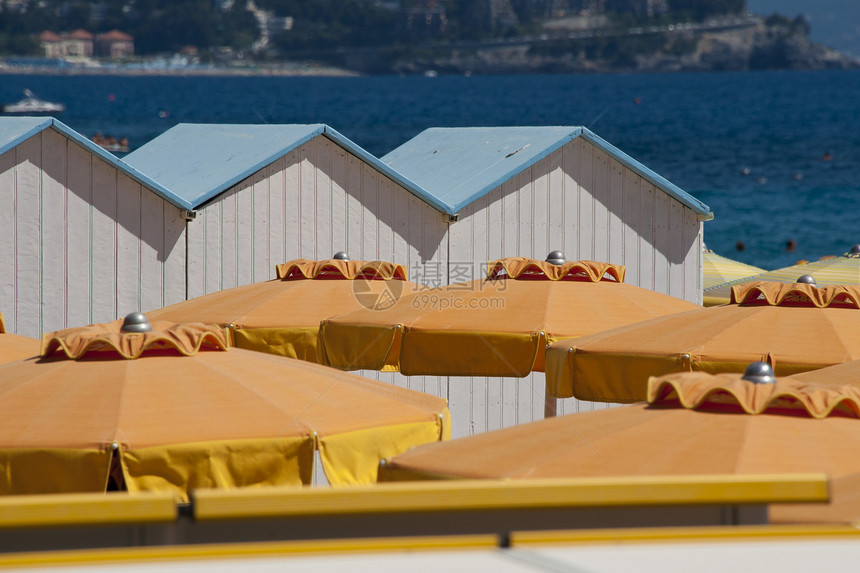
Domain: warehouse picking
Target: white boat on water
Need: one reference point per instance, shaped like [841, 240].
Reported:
[32, 105]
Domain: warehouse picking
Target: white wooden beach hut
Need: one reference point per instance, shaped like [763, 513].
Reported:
[525, 191]
[266, 194]
[78, 228]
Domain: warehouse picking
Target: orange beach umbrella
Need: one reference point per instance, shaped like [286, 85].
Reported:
[172, 409]
[498, 326]
[795, 327]
[845, 490]
[14, 346]
[692, 423]
[282, 316]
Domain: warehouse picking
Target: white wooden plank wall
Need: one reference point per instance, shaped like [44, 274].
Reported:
[53, 221]
[8, 257]
[584, 202]
[129, 233]
[79, 225]
[28, 241]
[78, 238]
[313, 202]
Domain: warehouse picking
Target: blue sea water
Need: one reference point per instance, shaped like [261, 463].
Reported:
[702, 131]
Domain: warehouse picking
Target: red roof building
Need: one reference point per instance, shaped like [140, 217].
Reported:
[114, 45]
[52, 44]
[78, 43]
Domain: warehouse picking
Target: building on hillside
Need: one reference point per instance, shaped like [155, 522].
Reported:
[423, 18]
[87, 239]
[114, 45]
[268, 24]
[52, 45]
[649, 8]
[78, 43]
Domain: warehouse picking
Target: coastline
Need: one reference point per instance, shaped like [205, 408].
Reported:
[274, 70]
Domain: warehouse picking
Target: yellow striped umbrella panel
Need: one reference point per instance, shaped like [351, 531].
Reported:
[717, 269]
[830, 270]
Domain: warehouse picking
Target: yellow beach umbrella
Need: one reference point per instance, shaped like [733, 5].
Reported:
[173, 409]
[794, 327]
[282, 316]
[717, 270]
[14, 346]
[493, 327]
[831, 270]
[692, 423]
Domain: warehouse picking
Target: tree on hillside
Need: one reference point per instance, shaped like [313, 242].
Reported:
[699, 10]
[324, 24]
[172, 24]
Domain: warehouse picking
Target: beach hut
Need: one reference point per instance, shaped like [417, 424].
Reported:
[526, 191]
[265, 194]
[80, 229]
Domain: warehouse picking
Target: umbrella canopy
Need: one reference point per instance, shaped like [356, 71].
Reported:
[794, 327]
[831, 270]
[493, 327]
[173, 409]
[14, 346]
[717, 270]
[845, 490]
[692, 423]
[282, 316]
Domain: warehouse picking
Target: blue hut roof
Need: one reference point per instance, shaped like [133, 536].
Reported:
[461, 164]
[16, 130]
[201, 161]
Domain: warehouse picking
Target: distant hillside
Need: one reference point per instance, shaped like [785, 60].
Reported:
[748, 43]
[835, 23]
[443, 36]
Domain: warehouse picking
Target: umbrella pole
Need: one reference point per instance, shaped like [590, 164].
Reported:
[550, 406]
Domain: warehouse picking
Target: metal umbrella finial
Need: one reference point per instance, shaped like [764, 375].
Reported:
[759, 373]
[556, 258]
[136, 322]
[341, 256]
[806, 280]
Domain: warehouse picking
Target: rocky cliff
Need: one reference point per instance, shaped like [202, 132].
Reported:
[741, 44]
